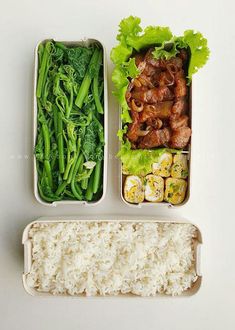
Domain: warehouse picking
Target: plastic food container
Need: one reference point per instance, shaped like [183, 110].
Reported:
[186, 152]
[28, 255]
[83, 42]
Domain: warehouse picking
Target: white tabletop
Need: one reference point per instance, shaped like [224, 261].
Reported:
[22, 24]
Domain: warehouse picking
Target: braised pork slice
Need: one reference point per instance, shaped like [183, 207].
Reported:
[158, 102]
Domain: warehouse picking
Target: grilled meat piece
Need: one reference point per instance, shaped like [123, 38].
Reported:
[181, 121]
[157, 63]
[180, 137]
[180, 85]
[155, 138]
[179, 106]
[156, 123]
[160, 110]
[157, 98]
[153, 95]
[133, 128]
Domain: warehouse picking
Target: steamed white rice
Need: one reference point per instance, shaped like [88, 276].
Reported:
[111, 258]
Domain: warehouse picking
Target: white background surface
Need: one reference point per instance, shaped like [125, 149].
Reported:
[22, 24]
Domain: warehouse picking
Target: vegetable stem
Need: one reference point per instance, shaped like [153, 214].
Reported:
[89, 192]
[83, 90]
[96, 86]
[47, 198]
[60, 142]
[61, 188]
[70, 105]
[97, 177]
[46, 139]
[43, 68]
[47, 167]
[55, 116]
[75, 190]
[40, 53]
[76, 163]
[84, 183]
[68, 167]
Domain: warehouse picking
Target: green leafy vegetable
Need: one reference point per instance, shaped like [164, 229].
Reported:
[122, 132]
[97, 176]
[139, 162]
[96, 86]
[69, 137]
[60, 142]
[45, 61]
[120, 53]
[166, 50]
[90, 73]
[120, 78]
[199, 52]
[79, 59]
[194, 41]
[152, 35]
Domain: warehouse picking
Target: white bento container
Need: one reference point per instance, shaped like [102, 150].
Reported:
[186, 152]
[28, 254]
[83, 42]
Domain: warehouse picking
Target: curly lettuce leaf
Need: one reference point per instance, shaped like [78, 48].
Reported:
[195, 42]
[129, 26]
[130, 68]
[120, 77]
[139, 162]
[120, 53]
[198, 49]
[122, 72]
[122, 132]
[152, 35]
[130, 38]
[167, 50]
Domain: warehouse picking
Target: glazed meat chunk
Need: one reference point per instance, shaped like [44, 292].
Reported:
[158, 102]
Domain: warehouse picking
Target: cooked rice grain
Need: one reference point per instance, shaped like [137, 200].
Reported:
[111, 258]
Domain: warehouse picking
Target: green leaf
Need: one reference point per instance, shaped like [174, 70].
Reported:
[121, 96]
[130, 68]
[122, 72]
[167, 50]
[120, 77]
[152, 35]
[79, 59]
[120, 53]
[122, 132]
[129, 26]
[139, 162]
[198, 49]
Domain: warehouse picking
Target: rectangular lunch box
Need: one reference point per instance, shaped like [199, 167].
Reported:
[28, 254]
[83, 42]
[186, 152]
